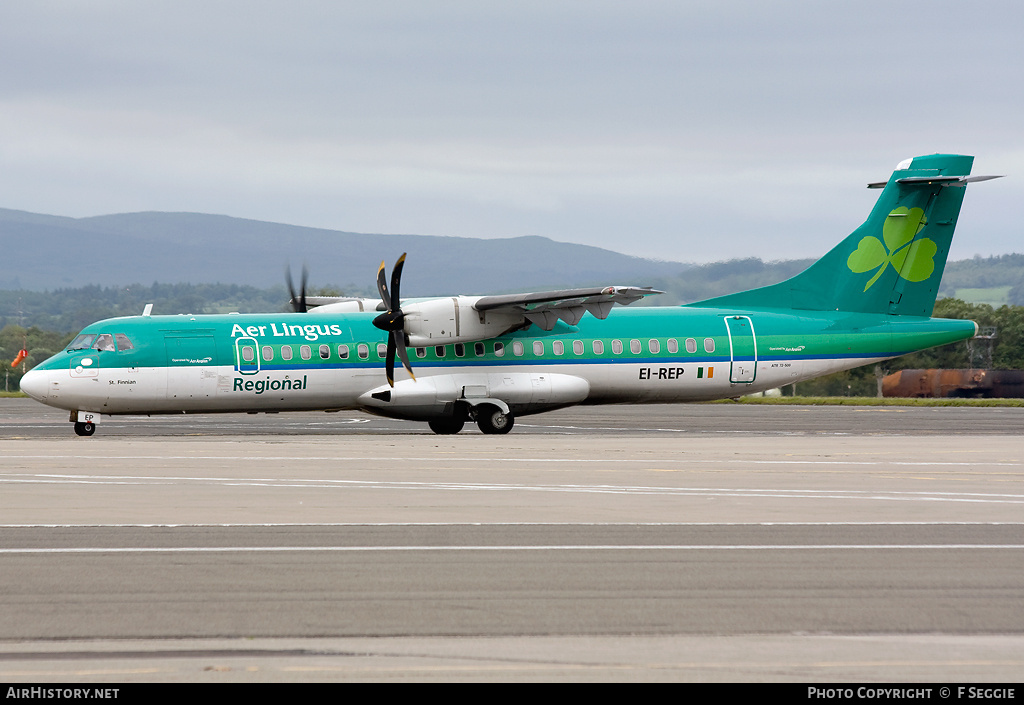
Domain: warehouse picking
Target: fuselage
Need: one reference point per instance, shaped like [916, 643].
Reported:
[286, 361]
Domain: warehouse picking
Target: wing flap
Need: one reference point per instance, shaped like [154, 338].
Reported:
[545, 308]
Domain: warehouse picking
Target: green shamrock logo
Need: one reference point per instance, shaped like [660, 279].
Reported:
[900, 228]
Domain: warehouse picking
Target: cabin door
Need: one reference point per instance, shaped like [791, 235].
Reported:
[742, 349]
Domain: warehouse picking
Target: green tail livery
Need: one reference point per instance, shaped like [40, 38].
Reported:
[490, 359]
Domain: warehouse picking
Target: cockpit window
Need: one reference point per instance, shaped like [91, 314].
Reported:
[101, 342]
[82, 342]
[104, 341]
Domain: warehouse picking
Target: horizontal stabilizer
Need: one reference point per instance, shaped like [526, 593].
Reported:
[960, 181]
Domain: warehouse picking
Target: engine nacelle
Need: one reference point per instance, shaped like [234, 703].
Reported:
[343, 305]
[454, 320]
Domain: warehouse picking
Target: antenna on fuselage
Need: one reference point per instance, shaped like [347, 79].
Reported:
[148, 310]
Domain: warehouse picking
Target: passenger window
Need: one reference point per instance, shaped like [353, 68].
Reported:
[248, 353]
[460, 350]
[691, 345]
[325, 352]
[421, 352]
[268, 353]
[599, 347]
[617, 347]
[382, 350]
[478, 348]
[634, 346]
[286, 352]
[517, 348]
[673, 346]
[558, 347]
[499, 350]
[538, 347]
[709, 345]
[343, 352]
[363, 350]
[305, 352]
[654, 346]
[577, 347]
[439, 350]
[123, 343]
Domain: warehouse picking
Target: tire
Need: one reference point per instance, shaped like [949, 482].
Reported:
[493, 420]
[446, 426]
[86, 428]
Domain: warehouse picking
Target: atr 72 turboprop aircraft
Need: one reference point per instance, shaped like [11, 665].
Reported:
[491, 359]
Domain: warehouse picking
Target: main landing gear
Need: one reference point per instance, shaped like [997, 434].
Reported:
[446, 426]
[489, 418]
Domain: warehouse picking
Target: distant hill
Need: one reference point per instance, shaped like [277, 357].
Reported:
[986, 280]
[720, 278]
[49, 252]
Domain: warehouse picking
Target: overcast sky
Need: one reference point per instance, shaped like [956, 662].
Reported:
[690, 131]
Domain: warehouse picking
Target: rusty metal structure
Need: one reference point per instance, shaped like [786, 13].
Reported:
[974, 383]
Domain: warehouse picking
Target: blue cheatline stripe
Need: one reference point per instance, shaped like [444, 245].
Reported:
[524, 361]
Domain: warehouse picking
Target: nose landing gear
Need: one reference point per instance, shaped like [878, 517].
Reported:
[85, 428]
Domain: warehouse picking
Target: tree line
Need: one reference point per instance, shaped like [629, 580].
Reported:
[1007, 351]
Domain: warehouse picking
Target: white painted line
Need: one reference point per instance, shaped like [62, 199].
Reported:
[265, 525]
[568, 547]
[681, 459]
[300, 483]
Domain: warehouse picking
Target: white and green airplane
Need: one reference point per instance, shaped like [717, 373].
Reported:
[490, 359]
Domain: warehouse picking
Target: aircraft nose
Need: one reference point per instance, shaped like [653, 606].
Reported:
[35, 384]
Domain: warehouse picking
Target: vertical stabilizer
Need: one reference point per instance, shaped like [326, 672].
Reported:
[893, 263]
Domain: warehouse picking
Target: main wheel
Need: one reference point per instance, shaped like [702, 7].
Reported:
[85, 428]
[491, 419]
[446, 426]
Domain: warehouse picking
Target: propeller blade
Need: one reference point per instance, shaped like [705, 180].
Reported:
[382, 286]
[302, 293]
[298, 302]
[291, 287]
[389, 365]
[396, 281]
[403, 354]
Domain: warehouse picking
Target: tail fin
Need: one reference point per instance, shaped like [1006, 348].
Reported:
[893, 263]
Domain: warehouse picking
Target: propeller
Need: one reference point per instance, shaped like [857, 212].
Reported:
[393, 320]
[298, 303]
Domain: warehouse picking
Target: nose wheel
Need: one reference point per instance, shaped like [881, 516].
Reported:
[85, 428]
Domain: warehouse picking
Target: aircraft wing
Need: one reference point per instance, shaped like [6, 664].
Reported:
[452, 319]
[546, 307]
